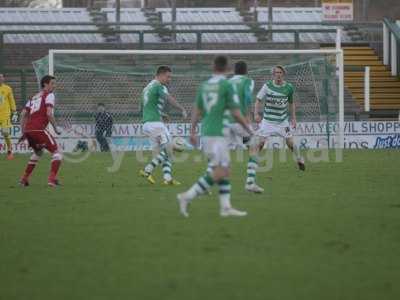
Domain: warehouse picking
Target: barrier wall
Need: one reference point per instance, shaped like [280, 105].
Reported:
[309, 135]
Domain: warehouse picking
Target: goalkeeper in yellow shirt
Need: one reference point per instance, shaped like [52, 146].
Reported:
[7, 111]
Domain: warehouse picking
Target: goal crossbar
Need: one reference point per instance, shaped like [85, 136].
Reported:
[52, 52]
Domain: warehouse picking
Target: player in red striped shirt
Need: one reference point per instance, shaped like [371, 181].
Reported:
[37, 114]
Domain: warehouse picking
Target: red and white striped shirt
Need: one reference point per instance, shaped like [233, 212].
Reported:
[37, 109]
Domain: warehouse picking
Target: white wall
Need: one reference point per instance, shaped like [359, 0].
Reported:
[46, 4]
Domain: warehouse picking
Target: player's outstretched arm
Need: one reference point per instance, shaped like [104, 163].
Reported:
[11, 99]
[13, 108]
[174, 103]
[248, 96]
[247, 117]
[24, 118]
[257, 110]
[196, 115]
[292, 110]
[241, 120]
[165, 117]
[52, 120]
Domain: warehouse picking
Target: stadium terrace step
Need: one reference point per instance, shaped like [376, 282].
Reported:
[361, 57]
[364, 52]
[385, 89]
[375, 90]
[373, 84]
[378, 68]
[361, 74]
[377, 101]
[385, 106]
[363, 62]
[373, 78]
[356, 48]
[387, 98]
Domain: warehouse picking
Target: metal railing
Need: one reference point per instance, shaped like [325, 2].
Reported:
[391, 46]
[367, 33]
[141, 34]
[249, 23]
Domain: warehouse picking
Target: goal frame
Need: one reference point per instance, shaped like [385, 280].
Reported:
[338, 52]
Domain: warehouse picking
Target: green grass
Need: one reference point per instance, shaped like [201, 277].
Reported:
[332, 232]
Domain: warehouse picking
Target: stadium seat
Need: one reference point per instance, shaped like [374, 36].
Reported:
[205, 15]
[29, 15]
[132, 15]
[305, 15]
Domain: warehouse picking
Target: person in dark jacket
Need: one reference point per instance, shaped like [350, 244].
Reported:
[104, 124]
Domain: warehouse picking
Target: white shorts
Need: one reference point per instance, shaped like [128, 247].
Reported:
[268, 129]
[217, 151]
[157, 132]
[236, 134]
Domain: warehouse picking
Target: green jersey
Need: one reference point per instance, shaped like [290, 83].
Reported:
[214, 97]
[277, 99]
[244, 87]
[154, 96]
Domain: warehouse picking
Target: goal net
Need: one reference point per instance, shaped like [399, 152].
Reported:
[86, 78]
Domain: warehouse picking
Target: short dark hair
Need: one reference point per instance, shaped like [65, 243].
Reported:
[220, 63]
[163, 69]
[279, 67]
[241, 68]
[46, 80]
[100, 104]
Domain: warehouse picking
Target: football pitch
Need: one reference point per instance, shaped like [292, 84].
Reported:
[332, 232]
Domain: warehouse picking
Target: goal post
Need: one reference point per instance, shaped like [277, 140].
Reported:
[86, 77]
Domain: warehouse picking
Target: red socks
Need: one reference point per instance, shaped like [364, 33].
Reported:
[55, 165]
[31, 165]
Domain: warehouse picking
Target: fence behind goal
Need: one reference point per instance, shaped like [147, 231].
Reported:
[117, 78]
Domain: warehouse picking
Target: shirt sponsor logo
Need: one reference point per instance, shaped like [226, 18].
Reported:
[276, 100]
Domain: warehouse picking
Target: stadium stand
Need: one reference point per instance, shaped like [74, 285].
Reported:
[29, 15]
[132, 15]
[298, 15]
[385, 88]
[204, 15]
[295, 3]
[200, 15]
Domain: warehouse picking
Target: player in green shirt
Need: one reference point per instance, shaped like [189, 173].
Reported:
[154, 97]
[214, 97]
[277, 97]
[237, 135]
[244, 86]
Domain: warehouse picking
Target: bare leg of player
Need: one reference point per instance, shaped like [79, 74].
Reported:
[300, 160]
